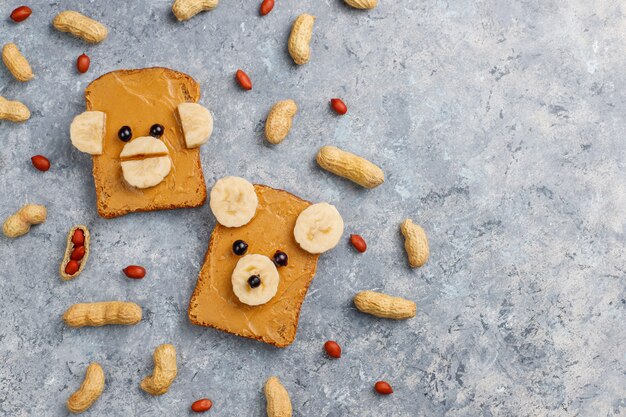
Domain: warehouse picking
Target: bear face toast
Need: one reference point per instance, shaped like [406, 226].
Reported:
[261, 259]
[143, 129]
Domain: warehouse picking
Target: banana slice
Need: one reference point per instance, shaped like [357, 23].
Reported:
[318, 228]
[87, 132]
[233, 201]
[145, 162]
[197, 123]
[255, 279]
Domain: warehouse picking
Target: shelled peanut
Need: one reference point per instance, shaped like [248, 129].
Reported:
[81, 26]
[89, 391]
[278, 401]
[13, 111]
[186, 9]
[76, 252]
[415, 243]
[164, 371]
[279, 121]
[19, 223]
[362, 4]
[300, 38]
[16, 63]
[350, 166]
[102, 313]
[384, 306]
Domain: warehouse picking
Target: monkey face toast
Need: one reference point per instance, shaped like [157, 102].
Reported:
[261, 259]
[143, 129]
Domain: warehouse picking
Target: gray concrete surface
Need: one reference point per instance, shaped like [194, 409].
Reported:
[500, 125]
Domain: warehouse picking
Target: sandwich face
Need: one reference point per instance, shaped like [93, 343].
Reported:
[135, 129]
[251, 292]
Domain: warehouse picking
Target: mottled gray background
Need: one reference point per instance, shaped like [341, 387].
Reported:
[500, 126]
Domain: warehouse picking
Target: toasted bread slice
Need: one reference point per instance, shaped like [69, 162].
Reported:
[215, 304]
[139, 99]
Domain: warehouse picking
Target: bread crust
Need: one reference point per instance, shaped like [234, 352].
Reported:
[204, 279]
[191, 92]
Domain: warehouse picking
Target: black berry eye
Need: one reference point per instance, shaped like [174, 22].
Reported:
[156, 130]
[240, 247]
[280, 258]
[254, 281]
[125, 133]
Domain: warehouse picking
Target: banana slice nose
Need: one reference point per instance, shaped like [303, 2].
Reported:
[255, 279]
[145, 162]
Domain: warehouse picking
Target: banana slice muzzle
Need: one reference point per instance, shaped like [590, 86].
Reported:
[255, 279]
[145, 162]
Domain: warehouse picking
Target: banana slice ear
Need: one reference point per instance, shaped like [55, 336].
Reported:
[197, 123]
[318, 228]
[233, 201]
[87, 132]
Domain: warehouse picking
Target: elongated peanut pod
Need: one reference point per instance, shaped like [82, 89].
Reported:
[89, 391]
[164, 371]
[279, 121]
[102, 313]
[79, 25]
[362, 4]
[350, 166]
[300, 38]
[16, 63]
[385, 306]
[19, 223]
[278, 402]
[13, 111]
[69, 249]
[186, 9]
[415, 243]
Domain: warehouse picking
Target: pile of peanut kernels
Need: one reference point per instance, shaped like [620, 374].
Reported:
[277, 127]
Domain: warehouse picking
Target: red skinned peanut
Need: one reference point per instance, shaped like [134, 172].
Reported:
[82, 63]
[40, 162]
[338, 106]
[21, 13]
[358, 242]
[72, 267]
[333, 349]
[243, 80]
[135, 271]
[78, 238]
[383, 388]
[201, 405]
[266, 7]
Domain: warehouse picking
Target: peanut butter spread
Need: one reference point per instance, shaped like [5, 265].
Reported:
[140, 99]
[214, 302]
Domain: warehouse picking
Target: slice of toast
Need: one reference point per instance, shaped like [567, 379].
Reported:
[139, 99]
[214, 303]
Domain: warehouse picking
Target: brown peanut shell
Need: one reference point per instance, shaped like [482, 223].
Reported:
[68, 252]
